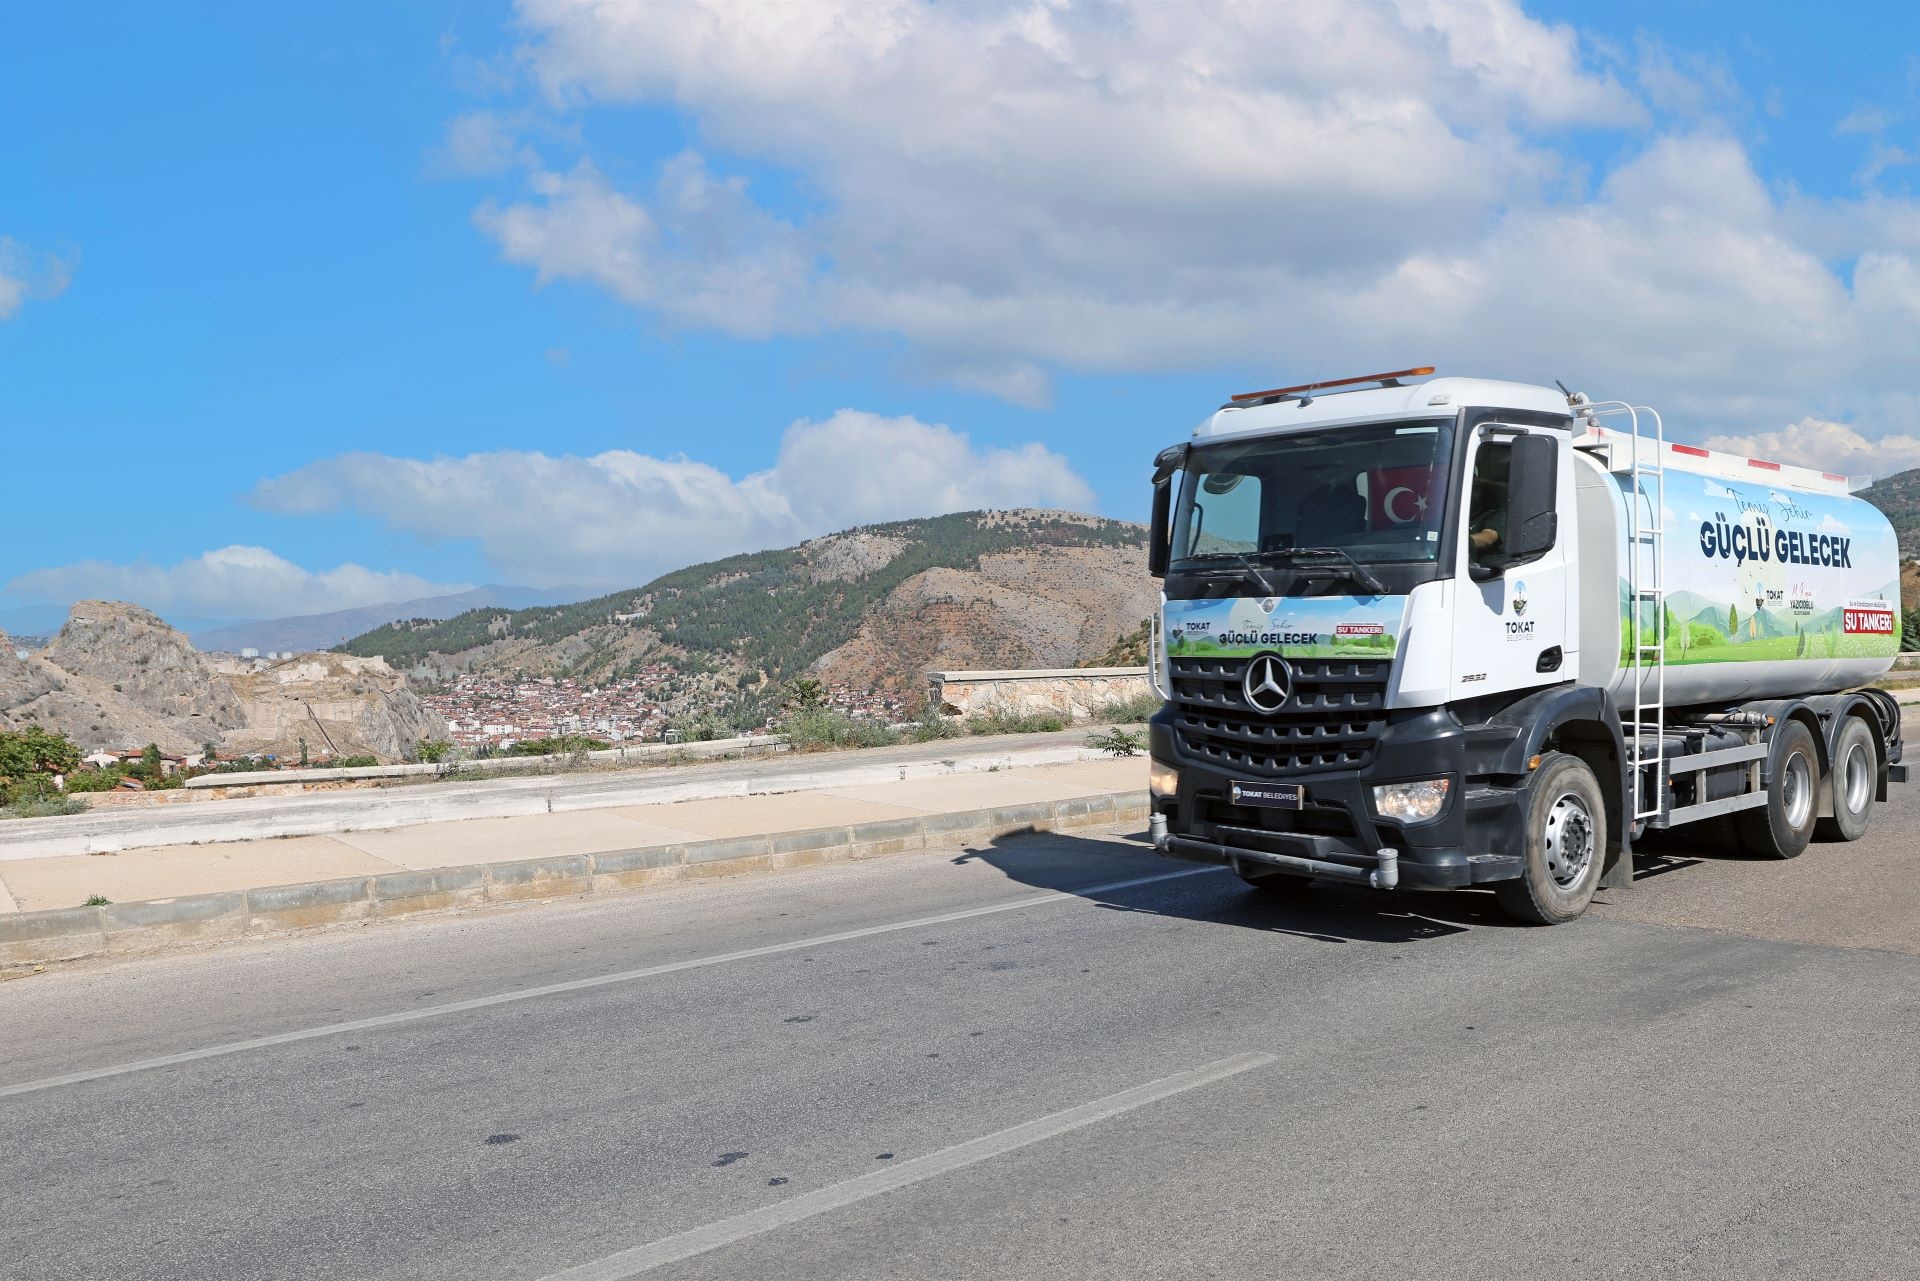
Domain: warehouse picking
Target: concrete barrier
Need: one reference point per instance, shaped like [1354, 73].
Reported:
[29, 940]
[268, 782]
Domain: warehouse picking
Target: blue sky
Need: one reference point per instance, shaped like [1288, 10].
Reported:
[301, 309]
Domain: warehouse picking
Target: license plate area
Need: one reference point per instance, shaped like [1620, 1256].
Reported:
[1273, 796]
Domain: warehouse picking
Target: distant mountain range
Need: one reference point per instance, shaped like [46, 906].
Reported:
[324, 631]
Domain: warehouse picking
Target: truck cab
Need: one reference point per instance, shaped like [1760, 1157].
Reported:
[1392, 648]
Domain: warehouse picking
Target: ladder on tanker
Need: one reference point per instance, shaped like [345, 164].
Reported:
[1645, 656]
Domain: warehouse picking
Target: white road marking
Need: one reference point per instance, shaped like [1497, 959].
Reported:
[685, 1245]
[574, 985]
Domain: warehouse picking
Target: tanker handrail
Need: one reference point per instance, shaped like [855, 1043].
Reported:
[1645, 660]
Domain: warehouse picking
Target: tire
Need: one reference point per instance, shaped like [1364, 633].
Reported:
[1853, 778]
[1782, 827]
[1566, 844]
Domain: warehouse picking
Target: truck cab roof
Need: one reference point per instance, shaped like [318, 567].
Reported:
[1433, 398]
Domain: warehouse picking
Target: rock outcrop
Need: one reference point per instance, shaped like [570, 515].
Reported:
[21, 680]
[117, 677]
[336, 704]
[146, 662]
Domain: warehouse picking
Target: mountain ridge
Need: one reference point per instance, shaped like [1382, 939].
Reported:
[307, 632]
[870, 607]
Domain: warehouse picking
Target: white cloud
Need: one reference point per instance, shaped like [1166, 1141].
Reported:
[480, 143]
[1022, 188]
[1834, 447]
[230, 582]
[624, 517]
[26, 276]
[1022, 184]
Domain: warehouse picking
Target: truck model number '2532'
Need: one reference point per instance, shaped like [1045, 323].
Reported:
[1425, 634]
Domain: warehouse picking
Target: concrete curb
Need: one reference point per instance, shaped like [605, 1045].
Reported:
[30, 939]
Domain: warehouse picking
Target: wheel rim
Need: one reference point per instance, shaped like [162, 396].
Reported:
[1858, 777]
[1569, 840]
[1796, 790]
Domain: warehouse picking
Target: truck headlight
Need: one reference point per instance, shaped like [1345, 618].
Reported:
[1412, 802]
[1163, 781]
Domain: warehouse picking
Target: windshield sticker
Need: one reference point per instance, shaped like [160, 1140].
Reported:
[1309, 627]
[1754, 573]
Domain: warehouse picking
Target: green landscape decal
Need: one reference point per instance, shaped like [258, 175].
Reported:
[1312, 627]
[1754, 573]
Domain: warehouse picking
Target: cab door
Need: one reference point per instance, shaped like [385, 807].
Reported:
[1514, 623]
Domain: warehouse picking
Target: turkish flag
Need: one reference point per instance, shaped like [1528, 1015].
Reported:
[1398, 496]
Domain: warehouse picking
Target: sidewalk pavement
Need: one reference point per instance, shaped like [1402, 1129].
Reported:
[330, 813]
[171, 871]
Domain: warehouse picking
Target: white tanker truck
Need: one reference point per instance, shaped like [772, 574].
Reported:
[1454, 632]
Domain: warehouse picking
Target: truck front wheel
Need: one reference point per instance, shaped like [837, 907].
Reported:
[1566, 844]
[1782, 827]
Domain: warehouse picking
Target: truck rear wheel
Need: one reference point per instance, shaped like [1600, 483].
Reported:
[1566, 844]
[1782, 827]
[1856, 769]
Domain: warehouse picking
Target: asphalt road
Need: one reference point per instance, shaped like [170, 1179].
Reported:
[945, 1066]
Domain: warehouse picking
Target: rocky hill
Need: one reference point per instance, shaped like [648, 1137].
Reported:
[116, 677]
[872, 607]
[1899, 497]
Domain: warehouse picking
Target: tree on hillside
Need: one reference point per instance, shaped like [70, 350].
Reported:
[806, 693]
[1733, 622]
[33, 751]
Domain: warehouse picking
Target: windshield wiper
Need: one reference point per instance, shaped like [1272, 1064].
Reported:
[1239, 558]
[1353, 569]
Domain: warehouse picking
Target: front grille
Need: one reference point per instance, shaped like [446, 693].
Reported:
[1331, 721]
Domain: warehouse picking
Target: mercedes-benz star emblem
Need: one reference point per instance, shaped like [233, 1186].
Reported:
[1267, 683]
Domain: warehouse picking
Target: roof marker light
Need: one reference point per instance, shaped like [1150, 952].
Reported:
[1390, 380]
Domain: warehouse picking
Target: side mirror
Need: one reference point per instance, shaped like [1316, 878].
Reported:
[1159, 536]
[1159, 531]
[1533, 513]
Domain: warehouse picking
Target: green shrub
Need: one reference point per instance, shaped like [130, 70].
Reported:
[1118, 742]
[814, 729]
[432, 751]
[1003, 720]
[560, 745]
[43, 807]
[95, 780]
[931, 725]
[1127, 711]
[353, 762]
[696, 729]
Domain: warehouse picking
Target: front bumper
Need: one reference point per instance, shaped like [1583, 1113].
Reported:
[1477, 838]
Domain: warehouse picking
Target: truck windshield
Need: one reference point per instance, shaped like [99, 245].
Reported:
[1376, 492]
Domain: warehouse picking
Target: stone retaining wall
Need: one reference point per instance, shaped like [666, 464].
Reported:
[1072, 693]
